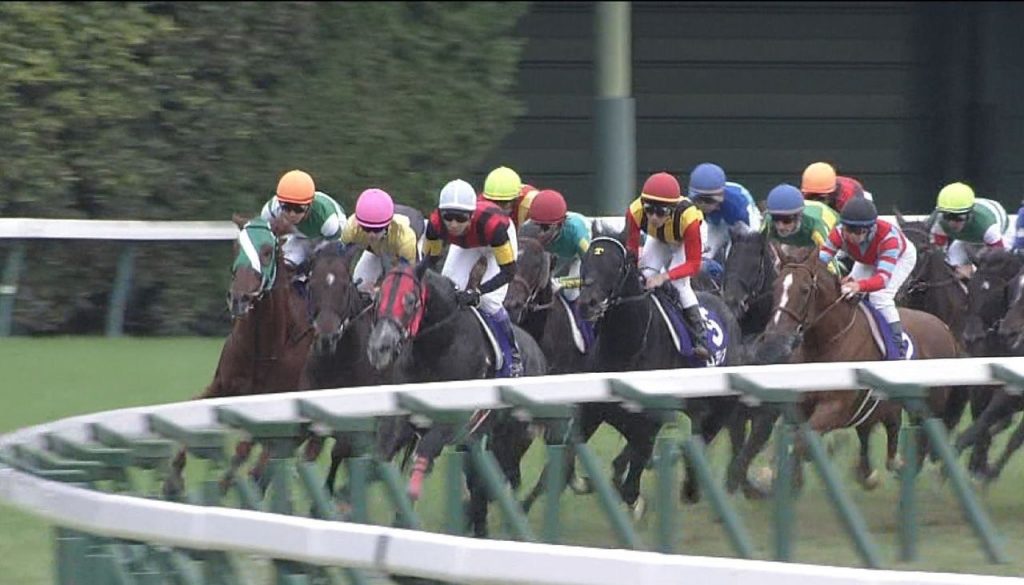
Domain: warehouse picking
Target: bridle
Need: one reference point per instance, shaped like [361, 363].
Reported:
[615, 296]
[761, 283]
[532, 291]
[801, 326]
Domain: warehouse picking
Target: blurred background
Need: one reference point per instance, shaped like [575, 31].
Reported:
[191, 111]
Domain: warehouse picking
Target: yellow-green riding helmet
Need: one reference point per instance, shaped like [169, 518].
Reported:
[502, 184]
[955, 198]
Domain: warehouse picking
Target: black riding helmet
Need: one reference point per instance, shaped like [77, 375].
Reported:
[859, 212]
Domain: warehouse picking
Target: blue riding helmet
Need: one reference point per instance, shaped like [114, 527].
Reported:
[708, 181]
[785, 199]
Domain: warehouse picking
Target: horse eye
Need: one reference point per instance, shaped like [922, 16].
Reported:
[410, 300]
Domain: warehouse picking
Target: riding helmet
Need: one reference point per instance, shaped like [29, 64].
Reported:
[661, 188]
[955, 198]
[819, 178]
[374, 209]
[457, 194]
[785, 199]
[707, 181]
[859, 212]
[502, 184]
[548, 207]
[296, 187]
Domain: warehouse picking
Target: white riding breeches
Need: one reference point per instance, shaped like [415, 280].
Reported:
[296, 248]
[657, 256]
[367, 271]
[459, 264]
[885, 299]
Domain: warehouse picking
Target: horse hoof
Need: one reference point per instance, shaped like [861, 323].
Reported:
[689, 495]
[895, 464]
[638, 508]
[872, 481]
[581, 485]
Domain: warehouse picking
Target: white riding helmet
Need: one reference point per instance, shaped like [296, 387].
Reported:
[458, 194]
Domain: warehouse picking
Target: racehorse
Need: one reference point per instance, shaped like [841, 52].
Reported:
[270, 333]
[342, 318]
[631, 335]
[427, 337]
[813, 323]
[747, 286]
[933, 286]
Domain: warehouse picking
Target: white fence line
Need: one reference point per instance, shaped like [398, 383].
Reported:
[452, 558]
[103, 229]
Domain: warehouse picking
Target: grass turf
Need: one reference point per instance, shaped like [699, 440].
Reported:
[47, 379]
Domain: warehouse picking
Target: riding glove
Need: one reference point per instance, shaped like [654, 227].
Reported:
[467, 298]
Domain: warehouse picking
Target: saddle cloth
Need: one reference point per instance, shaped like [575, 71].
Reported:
[501, 348]
[882, 333]
[582, 331]
[717, 334]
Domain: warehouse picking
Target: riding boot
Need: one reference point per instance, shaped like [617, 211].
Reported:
[500, 318]
[897, 339]
[698, 331]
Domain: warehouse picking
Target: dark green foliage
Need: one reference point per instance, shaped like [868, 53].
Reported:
[191, 111]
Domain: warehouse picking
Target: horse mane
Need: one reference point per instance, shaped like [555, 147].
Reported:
[239, 220]
[529, 230]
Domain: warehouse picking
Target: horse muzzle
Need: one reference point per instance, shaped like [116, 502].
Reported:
[385, 343]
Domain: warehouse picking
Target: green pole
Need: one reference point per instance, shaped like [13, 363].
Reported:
[614, 108]
[555, 483]
[396, 493]
[119, 294]
[973, 509]
[488, 469]
[783, 492]
[9, 287]
[665, 465]
[454, 462]
[852, 520]
[610, 501]
[359, 469]
[908, 475]
[734, 528]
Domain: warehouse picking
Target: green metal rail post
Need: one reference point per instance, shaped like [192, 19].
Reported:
[119, 294]
[9, 286]
[614, 108]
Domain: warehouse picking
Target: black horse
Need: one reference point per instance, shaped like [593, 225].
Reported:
[421, 330]
[631, 335]
[933, 286]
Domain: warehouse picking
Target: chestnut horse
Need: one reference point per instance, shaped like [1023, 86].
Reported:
[813, 323]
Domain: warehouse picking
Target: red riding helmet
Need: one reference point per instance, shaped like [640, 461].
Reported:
[548, 207]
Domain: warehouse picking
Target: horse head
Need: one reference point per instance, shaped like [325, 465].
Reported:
[803, 294]
[333, 294]
[749, 272]
[1011, 329]
[609, 273]
[533, 274]
[409, 296]
[988, 293]
[255, 267]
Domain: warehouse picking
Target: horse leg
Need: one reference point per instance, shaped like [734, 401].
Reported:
[568, 466]
[892, 422]
[762, 420]
[641, 446]
[999, 407]
[476, 507]
[1016, 440]
[709, 428]
[174, 484]
[242, 450]
[429, 447]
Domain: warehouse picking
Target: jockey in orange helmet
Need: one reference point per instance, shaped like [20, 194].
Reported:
[312, 214]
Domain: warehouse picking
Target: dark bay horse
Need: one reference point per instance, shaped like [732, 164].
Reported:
[933, 286]
[813, 323]
[427, 337]
[747, 286]
[342, 319]
[631, 335]
[270, 334]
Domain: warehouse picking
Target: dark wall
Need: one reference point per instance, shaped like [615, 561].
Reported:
[903, 96]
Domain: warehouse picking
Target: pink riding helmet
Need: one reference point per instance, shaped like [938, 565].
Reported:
[374, 209]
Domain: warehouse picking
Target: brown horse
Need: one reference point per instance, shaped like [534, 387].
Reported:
[812, 323]
[270, 334]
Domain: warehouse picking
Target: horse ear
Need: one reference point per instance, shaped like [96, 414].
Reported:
[421, 268]
[279, 226]
[239, 220]
[899, 216]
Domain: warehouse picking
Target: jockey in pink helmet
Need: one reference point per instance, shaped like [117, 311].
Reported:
[386, 237]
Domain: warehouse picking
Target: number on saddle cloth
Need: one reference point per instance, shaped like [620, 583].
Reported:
[717, 335]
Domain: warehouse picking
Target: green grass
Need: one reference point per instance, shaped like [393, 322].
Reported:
[47, 379]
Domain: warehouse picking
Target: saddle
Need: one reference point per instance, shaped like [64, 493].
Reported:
[666, 299]
[501, 347]
[882, 333]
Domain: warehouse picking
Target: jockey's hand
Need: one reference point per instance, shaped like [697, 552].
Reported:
[850, 287]
[656, 280]
[467, 298]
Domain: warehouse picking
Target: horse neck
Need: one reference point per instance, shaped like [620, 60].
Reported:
[829, 333]
[625, 327]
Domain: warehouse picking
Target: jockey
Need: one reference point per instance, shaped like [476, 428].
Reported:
[475, 229]
[504, 188]
[726, 206]
[821, 183]
[563, 233]
[960, 218]
[386, 237]
[673, 226]
[793, 221]
[884, 259]
[312, 215]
